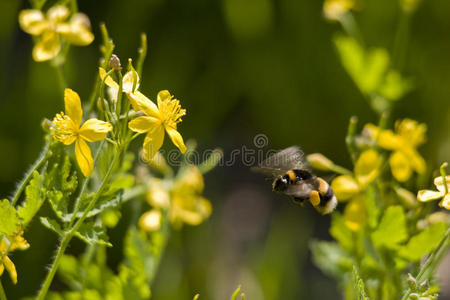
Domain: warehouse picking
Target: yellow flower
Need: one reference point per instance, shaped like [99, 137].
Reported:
[151, 220]
[349, 188]
[52, 27]
[130, 83]
[404, 159]
[181, 198]
[8, 245]
[157, 120]
[441, 193]
[334, 9]
[68, 129]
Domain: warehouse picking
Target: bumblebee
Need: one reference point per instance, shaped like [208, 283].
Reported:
[293, 177]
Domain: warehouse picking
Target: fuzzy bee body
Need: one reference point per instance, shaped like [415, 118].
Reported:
[293, 178]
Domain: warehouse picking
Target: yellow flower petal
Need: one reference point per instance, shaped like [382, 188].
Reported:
[411, 131]
[58, 13]
[140, 102]
[387, 139]
[75, 33]
[163, 96]
[190, 179]
[439, 183]
[153, 142]
[129, 80]
[151, 220]
[11, 268]
[320, 162]
[355, 214]
[32, 21]
[84, 157]
[73, 108]
[334, 9]
[367, 167]
[417, 162]
[427, 195]
[445, 203]
[158, 196]
[108, 81]
[345, 187]
[47, 47]
[400, 166]
[95, 130]
[176, 138]
[2, 268]
[144, 124]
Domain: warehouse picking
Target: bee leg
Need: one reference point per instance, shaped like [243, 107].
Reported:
[299, 201]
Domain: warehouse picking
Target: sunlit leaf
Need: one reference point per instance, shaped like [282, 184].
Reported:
[34, 198]
[8, 218]
[52, 225]
[93, 234]
[392, 228]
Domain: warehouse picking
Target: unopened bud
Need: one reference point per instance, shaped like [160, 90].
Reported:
[424, 286]
[47, 125]
[411, 281]
[114, 63]
[320, 162]
[414, 296]
[406, 197]
[102, 105]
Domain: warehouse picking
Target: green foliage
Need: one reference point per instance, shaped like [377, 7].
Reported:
[93, 234]
[392, 229]
[53, 225]
[9, 219]
[331, 258]
[423, 242]
[34, 198]
[341, 233]
[359, 286]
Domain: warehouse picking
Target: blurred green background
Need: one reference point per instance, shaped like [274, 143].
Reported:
[240, 68]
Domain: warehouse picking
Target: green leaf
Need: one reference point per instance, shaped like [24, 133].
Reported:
[359, 286]
[52, 225]
[394, 86]
[372, 209]
[104, 203]
[331, 258]
[138, 254]
[69, 271]
[34, 198]
[392, 228]
[93, 234]
[423, 243]
[340, 231]
[8, 218]
[59, 203]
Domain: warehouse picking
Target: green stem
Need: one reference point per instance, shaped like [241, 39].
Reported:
[350, 138]
[351, 27]
[69, 235]
[165, 230]
[444, 177]
[401, 41]
[432, 262]
[142, 55]
[2, 292]
[37, 164]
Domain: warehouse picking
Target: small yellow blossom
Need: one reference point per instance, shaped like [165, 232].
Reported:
[130, 83]
[151, 220]
[7, 245]
[404, 159]
[320, 162]
[157, 120]
[349, 188]
[441, 193]
[68, 129]
[52, 27]
[181, 198]
[334, 9]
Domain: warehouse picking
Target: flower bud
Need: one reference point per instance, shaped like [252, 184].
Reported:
[424, 286]
[47, 125]
[320, 162]
[151, 220]
[411, 282]
[414, 296]
[114, 63]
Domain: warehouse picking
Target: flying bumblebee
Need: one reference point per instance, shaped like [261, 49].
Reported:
[292, 177]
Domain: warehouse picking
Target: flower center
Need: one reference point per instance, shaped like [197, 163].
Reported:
[171, 112]
[64, 128]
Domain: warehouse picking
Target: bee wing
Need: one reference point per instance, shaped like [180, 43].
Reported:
[299, 190]
[280, 162]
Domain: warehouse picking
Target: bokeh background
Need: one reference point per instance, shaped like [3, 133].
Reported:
[241, 68]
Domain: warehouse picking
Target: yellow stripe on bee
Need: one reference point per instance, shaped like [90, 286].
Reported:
[323, 186]
[314, 198]
[291, 175]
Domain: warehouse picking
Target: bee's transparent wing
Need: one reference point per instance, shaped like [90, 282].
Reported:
[280, 162]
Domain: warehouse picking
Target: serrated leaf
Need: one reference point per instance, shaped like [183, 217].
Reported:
[53, 225]
[104, 203]
[93, 234]
[8, 218]
[423, 243]
[34, 198]
[340, 231]
[392, 229]
[59, 203]
[331, 258]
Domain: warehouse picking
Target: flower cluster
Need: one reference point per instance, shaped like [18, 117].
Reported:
[8, 245]
[180, 198]
[54, 26]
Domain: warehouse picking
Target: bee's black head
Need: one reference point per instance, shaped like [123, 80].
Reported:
[280, 184]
